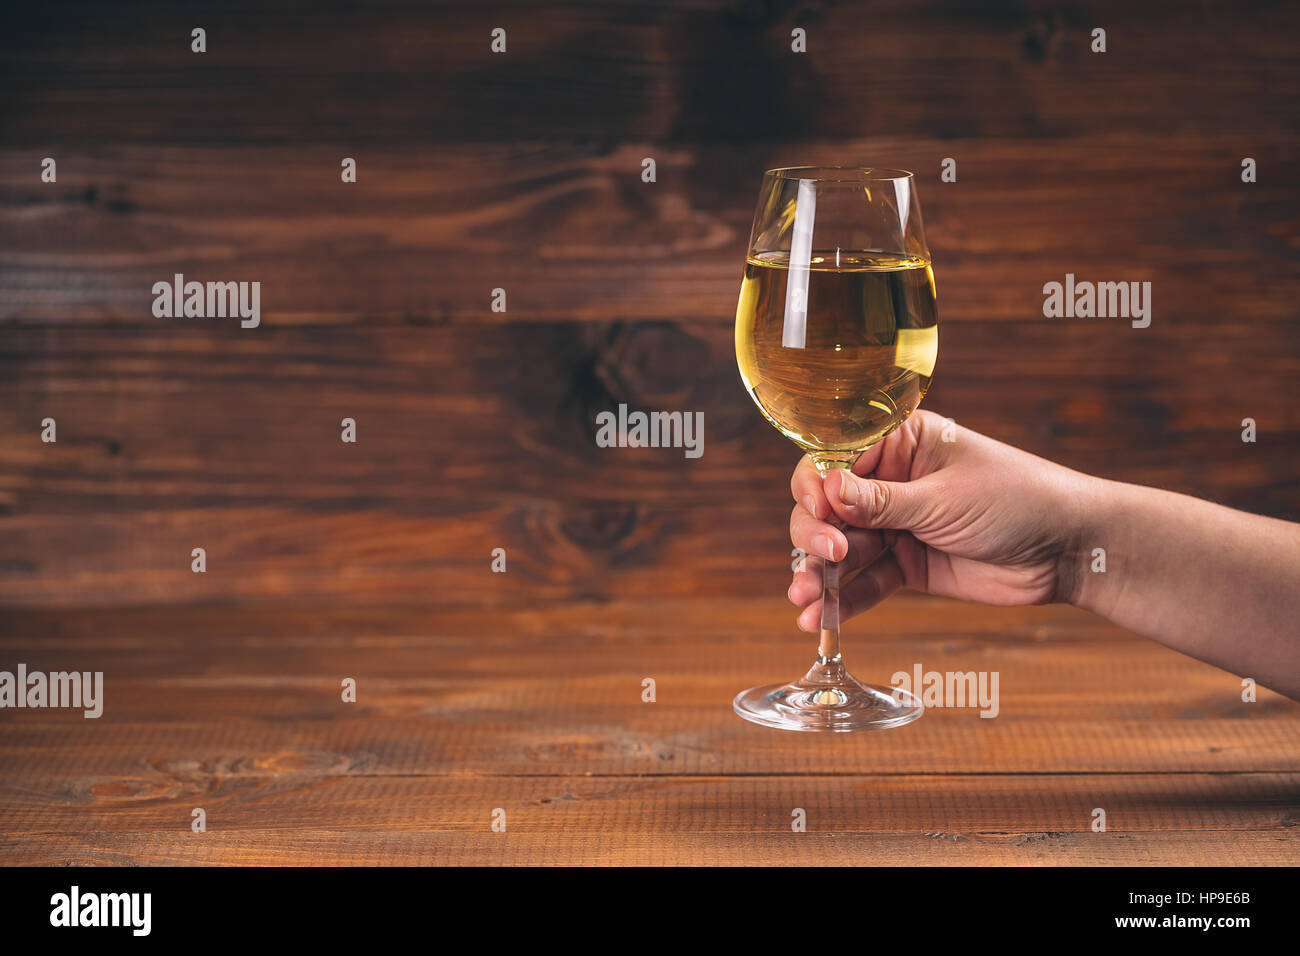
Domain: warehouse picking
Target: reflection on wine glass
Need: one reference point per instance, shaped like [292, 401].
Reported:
[836, 339]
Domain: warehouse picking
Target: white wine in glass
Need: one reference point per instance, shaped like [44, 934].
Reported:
[836, 340]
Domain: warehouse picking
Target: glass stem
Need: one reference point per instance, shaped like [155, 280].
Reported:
[829, 669]
[828, 649]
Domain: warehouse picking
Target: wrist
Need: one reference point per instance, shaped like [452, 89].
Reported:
[1094, 523]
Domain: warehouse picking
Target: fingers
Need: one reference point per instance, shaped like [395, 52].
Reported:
[864, 592]
[817, 537]
[807, 585]
[854, 546]
[806, 486]
[871, 503]
[870, 458]
[864, 548]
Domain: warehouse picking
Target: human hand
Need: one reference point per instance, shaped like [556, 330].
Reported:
[969, 518]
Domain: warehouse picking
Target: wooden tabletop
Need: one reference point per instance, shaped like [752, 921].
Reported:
[538, 713]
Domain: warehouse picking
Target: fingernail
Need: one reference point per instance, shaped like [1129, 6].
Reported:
[824, 547]
[810, 503]
[848, 490]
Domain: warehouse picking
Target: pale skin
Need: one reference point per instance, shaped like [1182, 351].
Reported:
[978, 520]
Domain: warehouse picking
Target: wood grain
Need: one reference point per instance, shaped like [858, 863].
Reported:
[231, 443]
[1162, 820]
[704, 70]
[574, 234]
[539, 713]
[522, 171]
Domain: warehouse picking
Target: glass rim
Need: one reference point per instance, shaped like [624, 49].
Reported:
[840, 174]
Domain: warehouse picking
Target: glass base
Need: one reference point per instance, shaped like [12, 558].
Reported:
[828, 699]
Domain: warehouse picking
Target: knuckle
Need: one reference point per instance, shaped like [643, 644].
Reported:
[875, 499]
[797, 523]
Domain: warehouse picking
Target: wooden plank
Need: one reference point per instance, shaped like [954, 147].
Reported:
[186, 753]
[1246, 819]
[531, 692]
[360, 847]
[165, 426]
[573, 235]
[198, 439]
[692, 69]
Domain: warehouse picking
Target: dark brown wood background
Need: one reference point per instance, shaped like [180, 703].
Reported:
[522, 171]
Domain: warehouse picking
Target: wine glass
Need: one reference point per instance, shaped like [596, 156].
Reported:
[836, 339]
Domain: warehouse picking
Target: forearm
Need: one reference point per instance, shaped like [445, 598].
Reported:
[1220, 585]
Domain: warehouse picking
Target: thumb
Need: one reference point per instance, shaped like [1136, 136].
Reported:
[871, 503]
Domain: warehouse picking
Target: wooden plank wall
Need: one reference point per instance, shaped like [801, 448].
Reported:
[522, 171]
